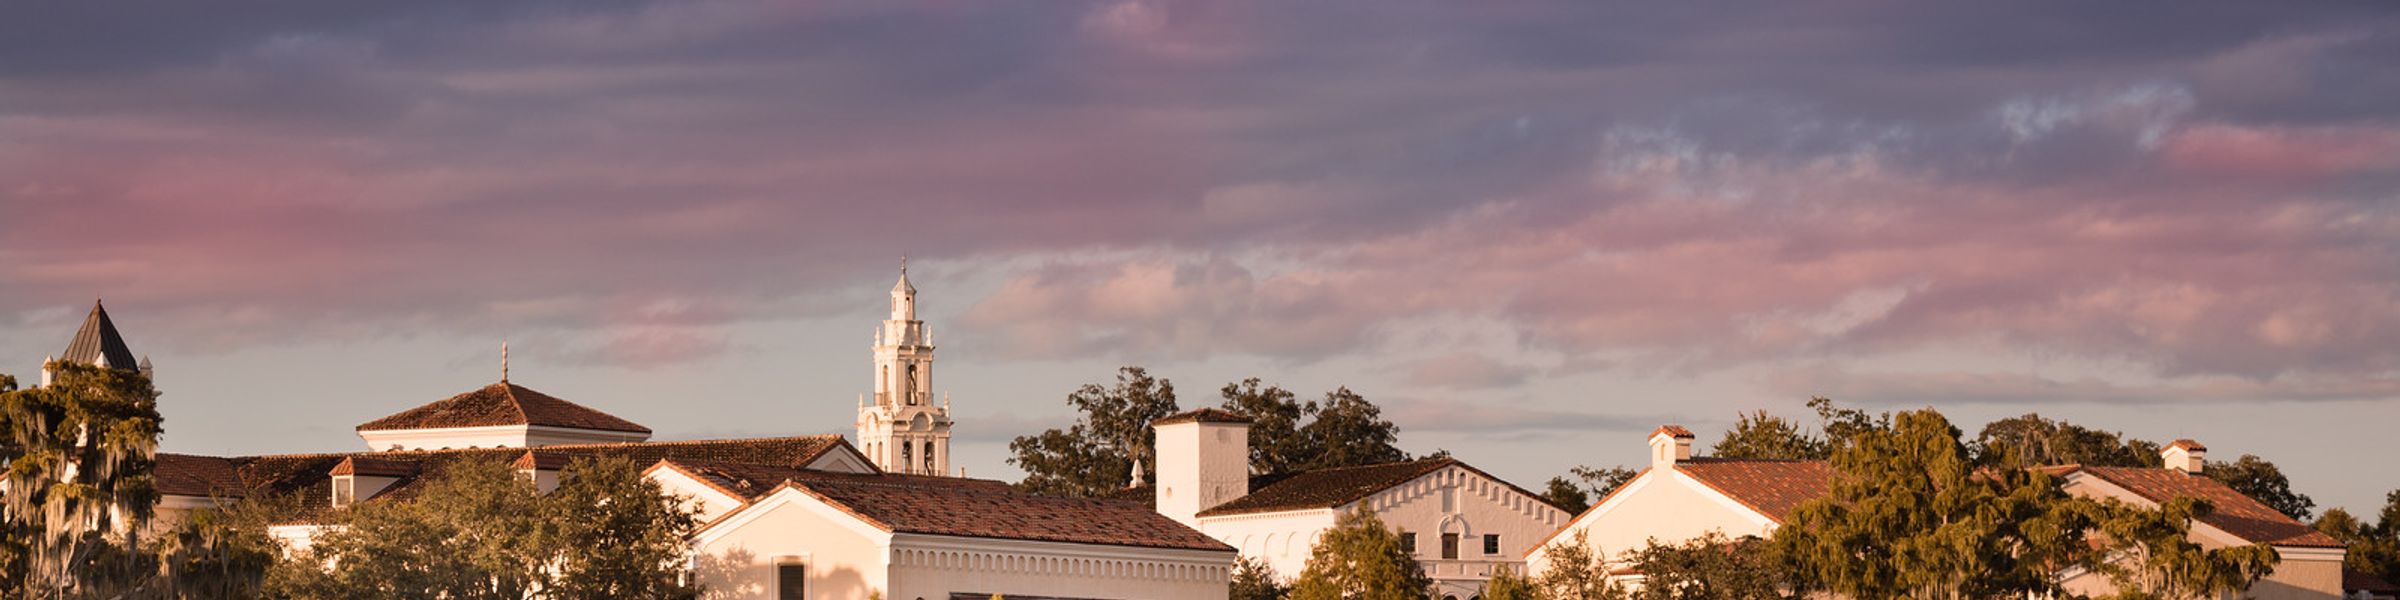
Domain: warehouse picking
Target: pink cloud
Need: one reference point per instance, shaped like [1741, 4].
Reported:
[2284, 152]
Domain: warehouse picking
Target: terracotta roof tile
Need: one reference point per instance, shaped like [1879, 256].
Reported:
[374, 467]
[2354, 581]
[2235, 513]
[305, 476]
[1204, 415]
[190, 475]
[2188, 445]
[1327, 488]
[502, 403]
[966, 508]
[1673, 430]
[1772, 487]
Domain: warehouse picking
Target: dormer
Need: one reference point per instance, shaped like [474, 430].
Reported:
[359, 478]
[541, 468]
[1670, 444]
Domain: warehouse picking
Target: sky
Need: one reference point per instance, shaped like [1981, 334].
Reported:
[1531, 231]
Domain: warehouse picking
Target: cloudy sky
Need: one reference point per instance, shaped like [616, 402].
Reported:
[1533, 231]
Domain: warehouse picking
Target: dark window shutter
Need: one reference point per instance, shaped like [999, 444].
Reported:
[791, 582]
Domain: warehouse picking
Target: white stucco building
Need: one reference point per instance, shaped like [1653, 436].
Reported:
[786, 518]
[1680, 497]
[1461, 521]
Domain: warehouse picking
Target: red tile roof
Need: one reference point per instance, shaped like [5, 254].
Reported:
[2235, 513]
[956, 506]
[1331, 488]
[2354, 581]
[502, 403]
[1673, 430]
[931, 506]
[305, 476]
[2188, 445]
[204, 476]
[1772, 487]
[374, 467]
[1204, 415]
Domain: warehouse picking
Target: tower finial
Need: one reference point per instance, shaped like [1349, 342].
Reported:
[904, 264]
[503, 362]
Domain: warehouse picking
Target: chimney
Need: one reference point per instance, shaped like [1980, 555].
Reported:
[2185, 455]
[1670, 444]
[1203, 461]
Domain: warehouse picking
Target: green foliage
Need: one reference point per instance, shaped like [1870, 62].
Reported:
[1253, 579]
[220, 552]
[479, 530]
[2033, 441]
[1276, 416]
[2374, 548]
[1574, 570]
[1347, 431]
[1710, 567]
[2262, 481]
[79, 458]
[1508, 584]
[1908, 516]
[1096, 455]
[1566, 495]
[2151, 555]
[1843, 425]
[1588, 486]
[1761, 435]
[1360, 559]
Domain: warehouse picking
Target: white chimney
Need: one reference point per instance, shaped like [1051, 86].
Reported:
[2185, 455]
[1670, 444]
[1203, 461]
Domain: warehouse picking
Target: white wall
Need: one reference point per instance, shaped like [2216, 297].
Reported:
[933, 567]
[1454, 499]
[1282, 539]
[1661, 504]
[845, 558]
[1201, 465]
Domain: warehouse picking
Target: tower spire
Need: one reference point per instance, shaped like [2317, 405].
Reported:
[503, 362]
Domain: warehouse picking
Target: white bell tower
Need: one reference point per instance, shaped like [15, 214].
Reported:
[903, 431]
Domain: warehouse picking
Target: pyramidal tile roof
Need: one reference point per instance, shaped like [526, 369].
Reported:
[98, 339]
[501, 404]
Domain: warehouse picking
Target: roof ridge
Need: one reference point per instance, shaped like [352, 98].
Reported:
[548, 447]
[514, 403]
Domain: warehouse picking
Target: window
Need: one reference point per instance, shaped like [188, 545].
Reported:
[791, 582]
[929, 464]
[1408, 542]
[345, 490]
[907, 459]
[1449, 545]
[1491, 543]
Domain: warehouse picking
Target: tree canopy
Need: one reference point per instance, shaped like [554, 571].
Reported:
[2262, 481]
[1360, 559]
[478, 530]
[1095, 456]
[1761, 435]
[79, 487]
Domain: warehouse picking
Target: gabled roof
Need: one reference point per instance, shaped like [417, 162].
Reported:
[2355, 581]
[98, 338]
[2235, 513]
[1330, 488]
[502, 403]
[1773, 488]
[304, 477]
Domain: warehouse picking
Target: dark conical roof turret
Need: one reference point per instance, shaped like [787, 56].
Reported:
[98, 343]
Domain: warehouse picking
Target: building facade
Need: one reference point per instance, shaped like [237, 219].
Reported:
[903, 430]
[1460, 522]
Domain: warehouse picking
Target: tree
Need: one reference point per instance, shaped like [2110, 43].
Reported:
[2033, 441]
[1566, 495]
[2262, 481]
[1760, 435]
[1360, 559]
[2152, 556]
[1508, 584]
[1588, 486]
[478, 530]
[1842, 425]
[2374, 549]
[1253, 579]
[222, 552]
[1574, 570]
[631, 546]
[1909, 516]
[1347, 430]
[1276, 442]
[79, 456]
[1710, 567]
[1096, 455]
